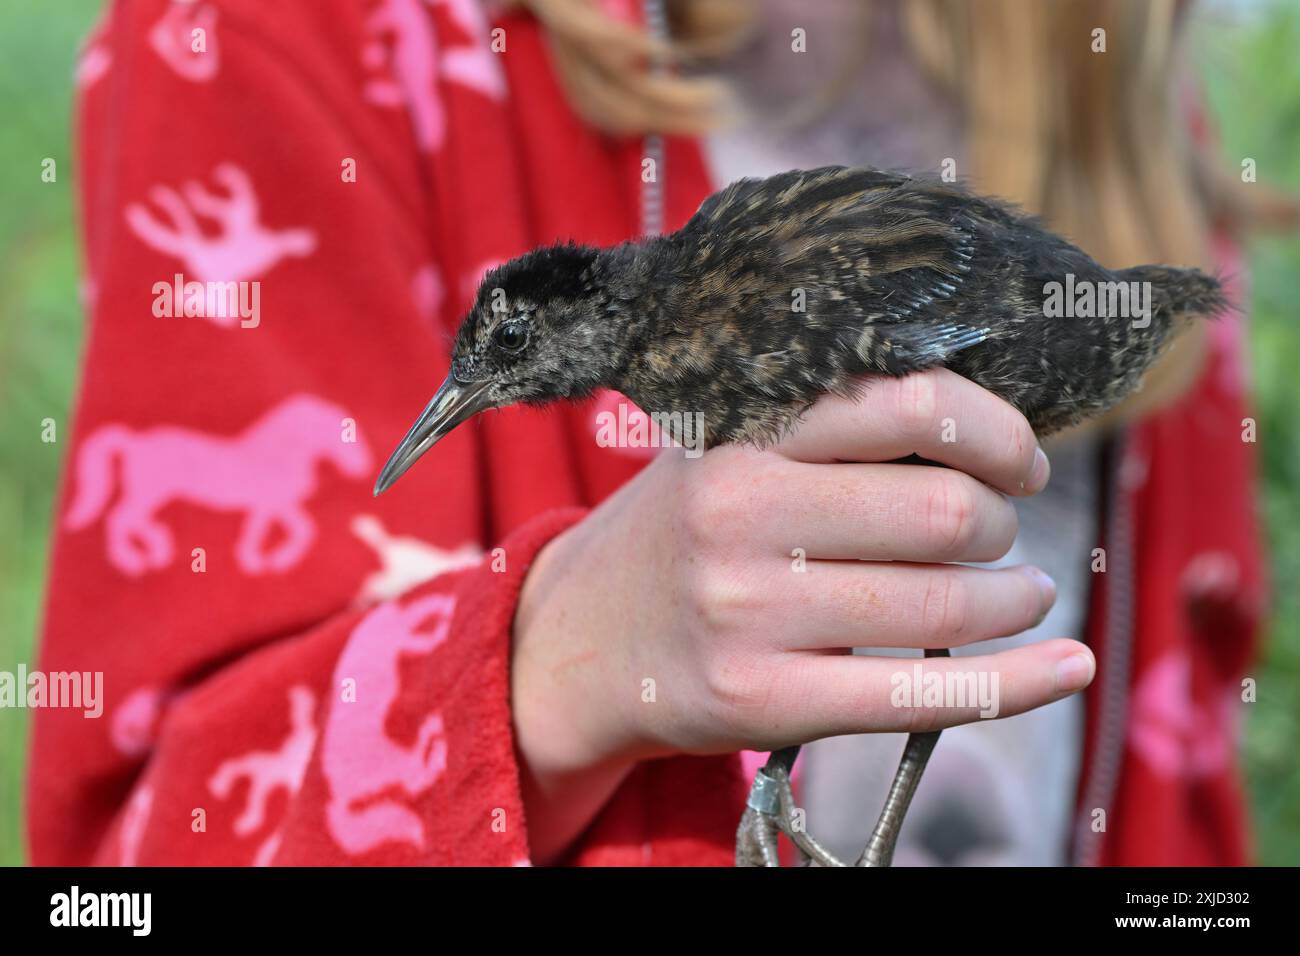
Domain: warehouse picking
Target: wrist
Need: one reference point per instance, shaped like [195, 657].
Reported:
[566, 731]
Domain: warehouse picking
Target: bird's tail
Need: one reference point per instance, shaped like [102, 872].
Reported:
[1178, 295]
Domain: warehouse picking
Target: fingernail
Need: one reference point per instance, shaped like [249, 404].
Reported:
[1040, 472]
[1046, 588]
[1074, 673]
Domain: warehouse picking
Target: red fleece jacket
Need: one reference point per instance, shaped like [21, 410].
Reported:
[280, 686]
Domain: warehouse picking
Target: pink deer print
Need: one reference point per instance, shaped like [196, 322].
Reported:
[267, 473]
[270, 770]
[474, 64]
[243, 249]
[403, 40]
[366, 770]
[175, 37]
[405, 561]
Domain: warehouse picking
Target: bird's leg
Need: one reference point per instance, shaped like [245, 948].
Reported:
[770, 809]
[769, 812]
[756, 837]
[879, 850]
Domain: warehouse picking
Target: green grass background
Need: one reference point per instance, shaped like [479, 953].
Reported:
[1250, 63]
[40, 333]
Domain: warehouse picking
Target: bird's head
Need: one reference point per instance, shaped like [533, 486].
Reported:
[540, 330]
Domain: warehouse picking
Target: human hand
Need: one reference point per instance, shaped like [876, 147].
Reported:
[687, 578]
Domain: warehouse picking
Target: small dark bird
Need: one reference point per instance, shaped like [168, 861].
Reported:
[780, 290]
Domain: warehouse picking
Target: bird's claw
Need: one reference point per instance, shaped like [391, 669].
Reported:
[770, 808]
[770, 811]
[756, 839]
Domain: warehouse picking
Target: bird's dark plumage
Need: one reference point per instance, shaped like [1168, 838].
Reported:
[899, 275]
[783, 289]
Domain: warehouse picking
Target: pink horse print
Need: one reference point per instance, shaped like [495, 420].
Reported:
[404, 44]
[270, 770]
[267, 472]
[173, 39]
[367, 771]
[242, 249]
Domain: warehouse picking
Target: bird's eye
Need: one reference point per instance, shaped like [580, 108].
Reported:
[512, 336]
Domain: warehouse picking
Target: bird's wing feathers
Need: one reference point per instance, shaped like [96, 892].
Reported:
[888, 268]
[927, 344]
[891, 259]
[797, 284]
[750, 204]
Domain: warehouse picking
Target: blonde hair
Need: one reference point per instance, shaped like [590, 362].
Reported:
[605, 65]
[1094, 142]
[1088, 138]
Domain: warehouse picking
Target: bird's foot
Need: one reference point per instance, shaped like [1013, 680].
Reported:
[769, 812]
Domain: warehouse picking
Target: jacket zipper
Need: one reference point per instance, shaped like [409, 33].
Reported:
[652, 189]
[1117, 657]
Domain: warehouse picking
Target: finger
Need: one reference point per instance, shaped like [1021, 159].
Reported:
[882, 513]
[839, 604]
[820, 695]
[938, 415]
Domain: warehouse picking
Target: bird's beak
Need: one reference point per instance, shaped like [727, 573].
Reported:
[453, 404]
